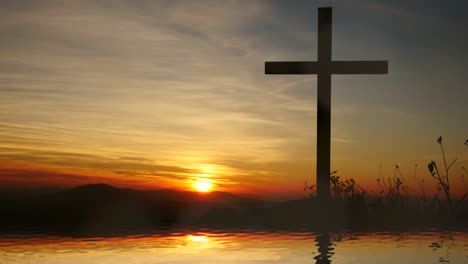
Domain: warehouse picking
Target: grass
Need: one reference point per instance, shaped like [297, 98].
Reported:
[394, 200]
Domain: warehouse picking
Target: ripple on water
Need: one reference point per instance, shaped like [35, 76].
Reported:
[244, 246]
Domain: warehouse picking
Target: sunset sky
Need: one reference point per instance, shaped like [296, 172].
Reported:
[160, 94]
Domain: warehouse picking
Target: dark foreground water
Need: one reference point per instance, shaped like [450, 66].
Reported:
[215, 246]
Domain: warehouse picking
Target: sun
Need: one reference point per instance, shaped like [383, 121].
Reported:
[203, 186]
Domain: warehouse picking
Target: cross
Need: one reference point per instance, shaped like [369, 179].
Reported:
[324, 67]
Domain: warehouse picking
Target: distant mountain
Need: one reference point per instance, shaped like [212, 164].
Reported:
[102, 207]
[93, 188]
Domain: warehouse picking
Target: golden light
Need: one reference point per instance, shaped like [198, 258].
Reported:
[197, 239]
[203, 186]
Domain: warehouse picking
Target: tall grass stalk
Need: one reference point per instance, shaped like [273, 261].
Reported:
[442, 178]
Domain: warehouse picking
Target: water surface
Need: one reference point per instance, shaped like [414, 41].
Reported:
[215, 246]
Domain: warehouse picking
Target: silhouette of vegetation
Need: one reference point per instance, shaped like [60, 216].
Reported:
[394, 203]
[442, 177]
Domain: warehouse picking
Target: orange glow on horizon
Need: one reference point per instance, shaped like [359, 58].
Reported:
[26, 174]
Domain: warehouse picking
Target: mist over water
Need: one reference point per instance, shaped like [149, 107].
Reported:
[244, 246]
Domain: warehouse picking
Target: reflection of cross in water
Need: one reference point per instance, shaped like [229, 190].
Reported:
[324, 67]
[324, 248]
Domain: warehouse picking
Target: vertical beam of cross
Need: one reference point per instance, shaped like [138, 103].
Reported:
[324, 67]
[324, 55]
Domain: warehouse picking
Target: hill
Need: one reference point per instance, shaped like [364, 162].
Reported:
[101, 209]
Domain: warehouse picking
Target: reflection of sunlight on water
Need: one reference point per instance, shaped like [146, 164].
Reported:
[216, 247]
[197, 239]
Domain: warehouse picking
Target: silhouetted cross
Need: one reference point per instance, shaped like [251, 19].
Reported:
[324, 67]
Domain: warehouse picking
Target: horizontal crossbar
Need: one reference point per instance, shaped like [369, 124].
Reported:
[335, 67]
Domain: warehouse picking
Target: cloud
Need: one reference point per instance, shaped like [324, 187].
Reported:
[158, 88]
[130, 166]
[341, 140]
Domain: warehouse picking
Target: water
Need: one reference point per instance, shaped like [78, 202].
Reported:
[216, 246]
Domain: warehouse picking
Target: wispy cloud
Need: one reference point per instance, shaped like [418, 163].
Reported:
[159, 89]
